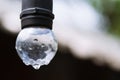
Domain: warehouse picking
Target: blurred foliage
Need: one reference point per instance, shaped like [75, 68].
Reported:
[110, 9]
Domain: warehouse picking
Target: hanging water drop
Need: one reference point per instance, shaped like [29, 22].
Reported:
[38, 46]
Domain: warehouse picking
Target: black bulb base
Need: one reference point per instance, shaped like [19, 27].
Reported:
[36, 17]
[37, 13]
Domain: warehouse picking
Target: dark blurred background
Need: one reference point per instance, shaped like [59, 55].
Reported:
[64, 66]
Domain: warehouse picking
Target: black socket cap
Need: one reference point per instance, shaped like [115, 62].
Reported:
[37, 13]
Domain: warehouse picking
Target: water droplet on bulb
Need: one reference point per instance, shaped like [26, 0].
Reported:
[36, 66]
[36, 53]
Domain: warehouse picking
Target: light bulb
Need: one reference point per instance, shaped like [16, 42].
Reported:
[36, 46]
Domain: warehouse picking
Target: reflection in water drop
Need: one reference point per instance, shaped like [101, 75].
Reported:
[20, 49]
[36, 46]
[30, 48]
[35, 40]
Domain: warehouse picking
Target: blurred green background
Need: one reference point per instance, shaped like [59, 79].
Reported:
[111, 10]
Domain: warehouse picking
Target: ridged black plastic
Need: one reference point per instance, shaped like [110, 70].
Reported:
[37, 13]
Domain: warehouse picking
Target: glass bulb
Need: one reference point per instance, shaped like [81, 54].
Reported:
[36, 46]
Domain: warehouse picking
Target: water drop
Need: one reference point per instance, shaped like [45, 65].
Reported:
[36, 66]
[38, 46]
